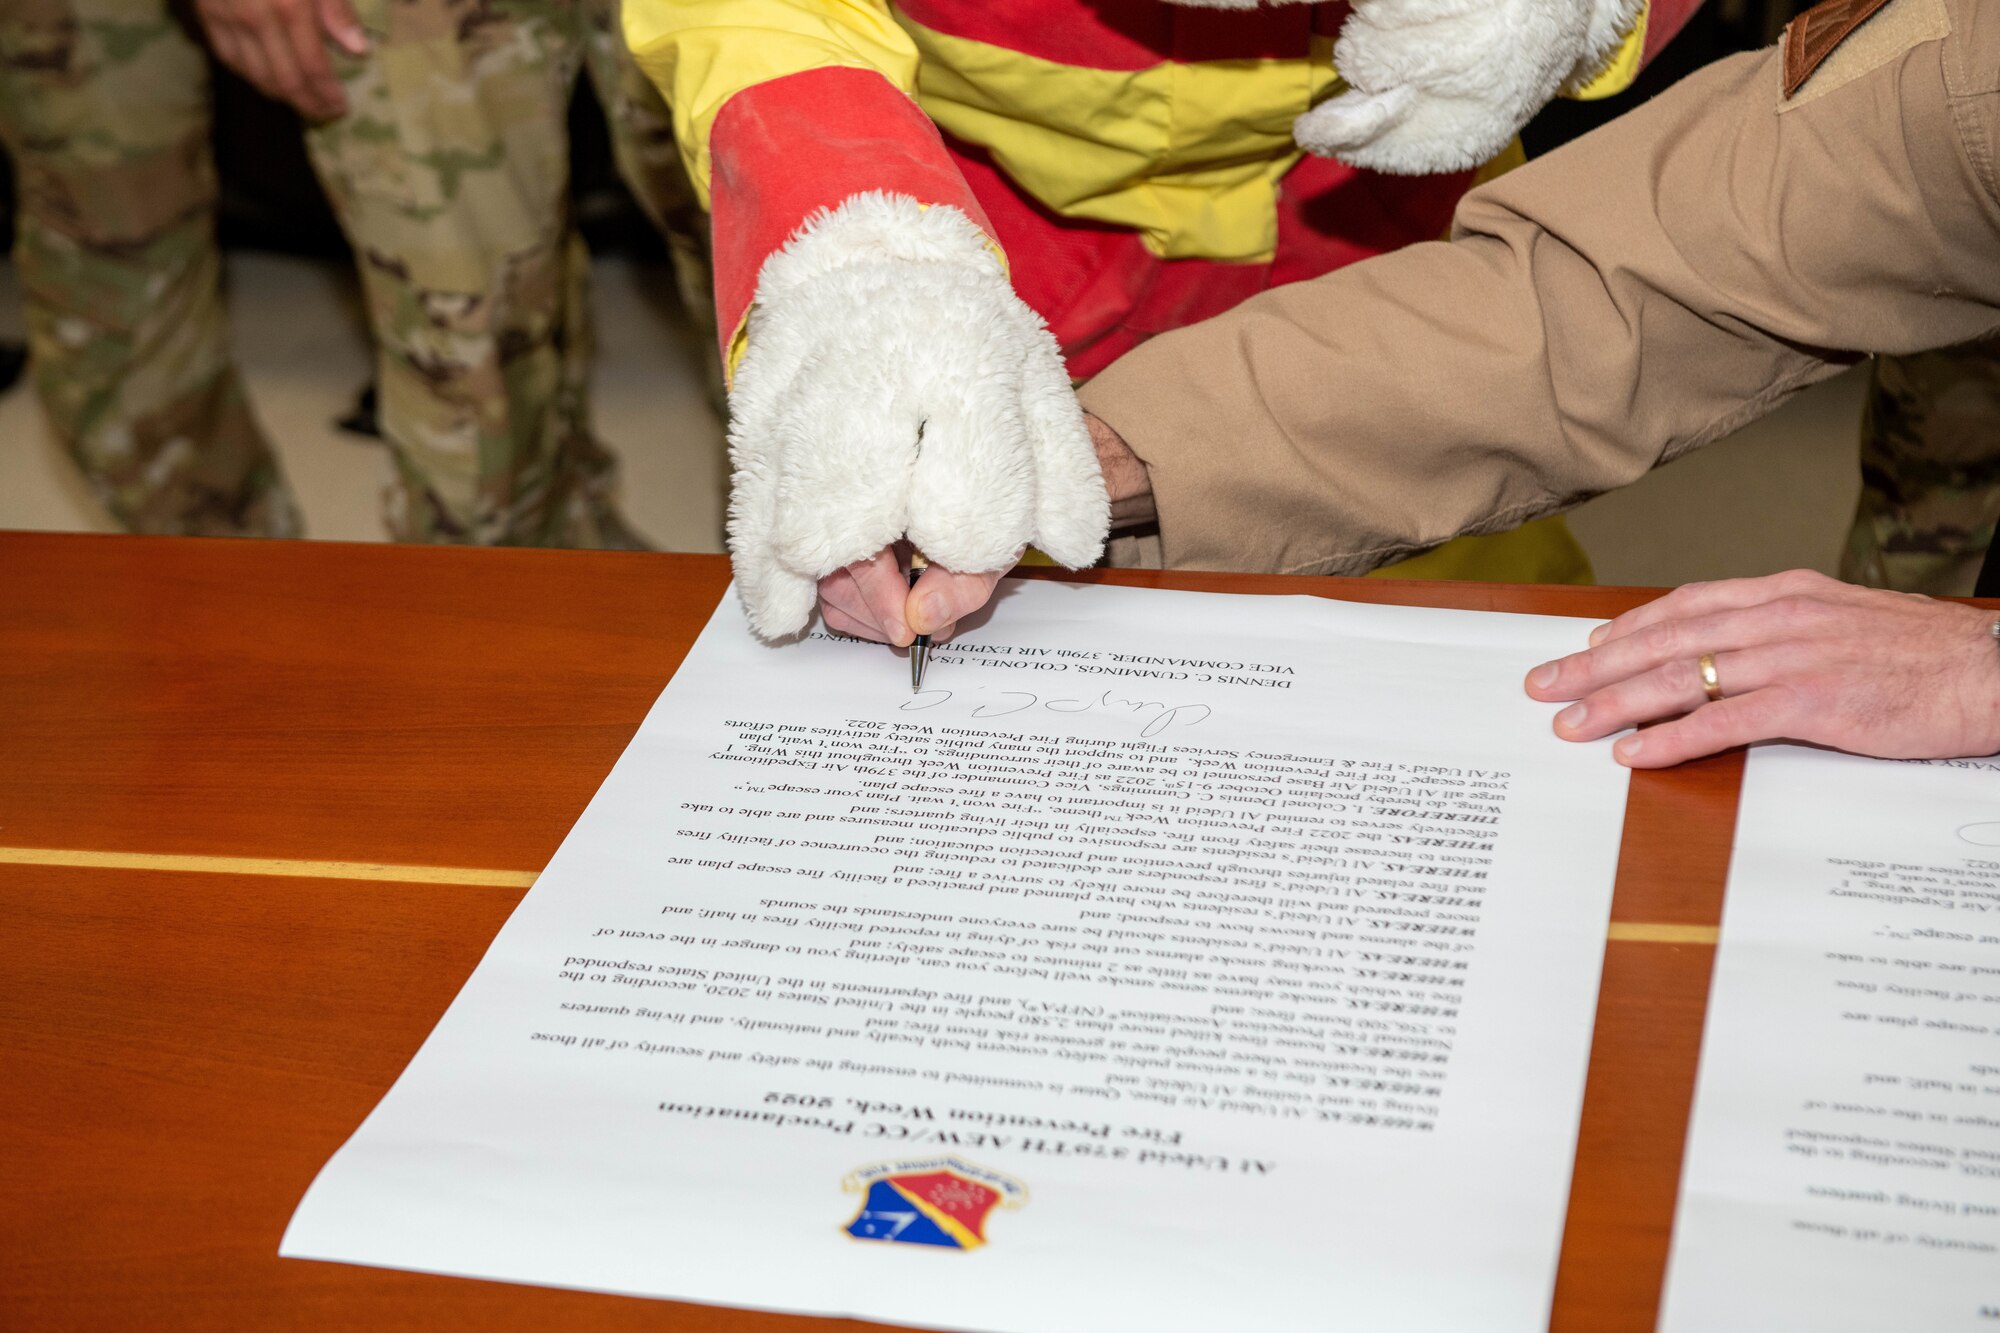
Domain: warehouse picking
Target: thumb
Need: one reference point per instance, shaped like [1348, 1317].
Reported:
[942, 595]
[338, 20]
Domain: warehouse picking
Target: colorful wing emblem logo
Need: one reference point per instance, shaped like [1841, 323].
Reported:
[940, 1201]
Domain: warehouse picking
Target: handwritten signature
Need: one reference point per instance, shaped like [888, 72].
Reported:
[1005, 703]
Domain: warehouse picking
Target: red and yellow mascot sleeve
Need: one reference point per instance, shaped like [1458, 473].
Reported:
[784, 109]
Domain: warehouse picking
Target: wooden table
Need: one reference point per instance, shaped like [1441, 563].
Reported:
[263, 806]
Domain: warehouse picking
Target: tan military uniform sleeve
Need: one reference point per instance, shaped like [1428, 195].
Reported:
[1631, 296]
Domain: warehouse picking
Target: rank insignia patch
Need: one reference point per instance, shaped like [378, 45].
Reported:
[1812, 36]
[940, 1201]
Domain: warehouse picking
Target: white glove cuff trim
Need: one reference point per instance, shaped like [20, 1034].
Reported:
[1610, 22]
[874, 226]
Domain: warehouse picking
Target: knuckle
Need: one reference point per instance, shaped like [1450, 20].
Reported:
[1681, 678]
[1661, 640]
[1797, 612]
[1712, 725]
[1800, 581]
[1667, 604]
[1672, 742]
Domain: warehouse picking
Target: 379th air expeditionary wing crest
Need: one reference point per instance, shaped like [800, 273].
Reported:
[939, 1201]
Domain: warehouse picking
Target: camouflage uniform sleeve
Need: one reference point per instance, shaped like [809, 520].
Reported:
[1632, 296]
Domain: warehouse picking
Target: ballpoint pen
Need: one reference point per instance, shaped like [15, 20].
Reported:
[920, 650]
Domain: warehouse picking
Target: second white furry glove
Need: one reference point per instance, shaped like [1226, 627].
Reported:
[894, 385]
[1445, 85]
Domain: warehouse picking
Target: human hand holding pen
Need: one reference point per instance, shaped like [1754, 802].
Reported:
[872, 599]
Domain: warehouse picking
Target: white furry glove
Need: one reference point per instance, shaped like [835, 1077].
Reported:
[1444, 85]
[894, 385]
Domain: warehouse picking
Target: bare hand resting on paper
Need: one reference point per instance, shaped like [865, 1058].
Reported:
[1798, 656]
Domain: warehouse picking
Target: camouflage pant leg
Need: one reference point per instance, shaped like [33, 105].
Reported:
[1930, 471]
[642, 142]
[104, 109]
[450, 175]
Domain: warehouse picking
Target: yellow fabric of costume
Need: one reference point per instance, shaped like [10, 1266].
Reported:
[1189, 155]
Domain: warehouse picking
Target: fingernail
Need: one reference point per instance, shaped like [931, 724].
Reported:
[1628, 749]
[1597, 635]
[1543, 676]
[1572, 717]
[932, 611]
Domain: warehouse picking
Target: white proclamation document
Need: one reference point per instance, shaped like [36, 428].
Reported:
[1843, 1166]
[1171, 961]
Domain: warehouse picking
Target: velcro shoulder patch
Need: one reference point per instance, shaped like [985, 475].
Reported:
[1812, 38]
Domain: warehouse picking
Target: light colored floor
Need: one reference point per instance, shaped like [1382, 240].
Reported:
[301, 342]
[1774, 496]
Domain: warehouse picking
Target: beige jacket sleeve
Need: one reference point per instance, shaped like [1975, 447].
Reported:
[1634, 295]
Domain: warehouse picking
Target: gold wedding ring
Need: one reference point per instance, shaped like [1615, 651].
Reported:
[1711, 684]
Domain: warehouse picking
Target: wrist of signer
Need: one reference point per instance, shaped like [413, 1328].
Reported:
[1125, 476]
[1988, 716]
